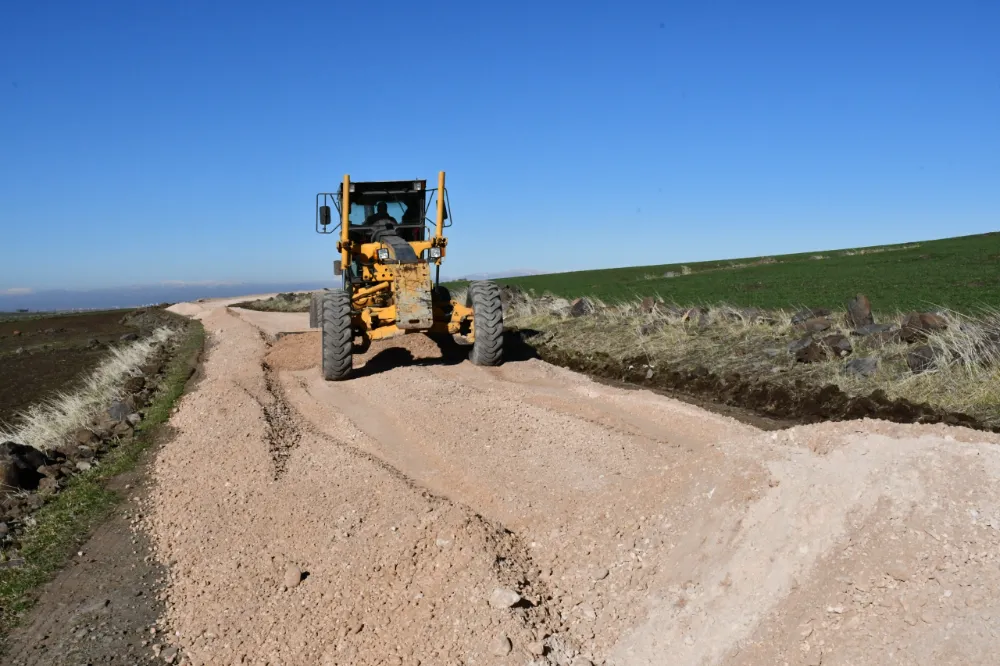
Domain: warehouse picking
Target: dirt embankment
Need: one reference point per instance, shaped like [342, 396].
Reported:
[430, 511]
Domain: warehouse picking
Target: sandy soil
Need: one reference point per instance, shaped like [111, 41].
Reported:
[390, 519]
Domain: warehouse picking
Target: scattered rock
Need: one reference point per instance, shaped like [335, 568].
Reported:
[129, 337]
[536, 648]
[293, 576]
[135, 384]
[118, 411]
[872, 329]
[502, 598]
[864, 366]
[83, 466]
[500, 646]
[813, 352]
[84, 436]
[920, 359]
[48, 484]
[3, 530]
[798, 345]
[582, 661]
[671, 274]
[600, 573]
[917, 326]
[815, 325]
[16, 333]
[859, 312]
[84, 451]
[133, 419]
[581, 307]
[803, 315]
[169, 655]
[838, 344]
[122, 430]
[648, 305]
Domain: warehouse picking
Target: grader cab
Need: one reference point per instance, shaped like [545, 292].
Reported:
[388, 246]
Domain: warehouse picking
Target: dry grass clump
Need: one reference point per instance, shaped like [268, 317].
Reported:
[47, 424]
[964, 375]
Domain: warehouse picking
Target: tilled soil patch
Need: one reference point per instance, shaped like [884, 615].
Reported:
[799, 402]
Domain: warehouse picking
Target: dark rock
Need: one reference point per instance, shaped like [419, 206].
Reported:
[34, 501]
[813, 352]
[19, 465]
[48, 484]
[84, 452]
[581, 307]
[884, 338]
[135, 384]
[920, 359]
[916, 326]
[859, 312]
[872, 329]
[815, 325]
[803, 315]
[838, 344]
[3, 530]
[119, 411]
[129, 337]
[865, 366]
[152, 368]
[93, 343]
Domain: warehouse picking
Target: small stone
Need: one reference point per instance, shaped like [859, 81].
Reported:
[3, 529]
[293, 576]
[133, 419]
[688, 640]
[582, 661]
[536, 648]
[118, 411]
[500, 646]
[83, 466]
[502, 598]
[898, 571]
[601, 573]
[169, 655]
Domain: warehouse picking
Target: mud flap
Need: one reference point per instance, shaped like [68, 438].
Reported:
[414, 305]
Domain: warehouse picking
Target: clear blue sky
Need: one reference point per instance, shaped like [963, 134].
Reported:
[149, 141]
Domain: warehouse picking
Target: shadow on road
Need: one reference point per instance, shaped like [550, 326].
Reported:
[452, 353]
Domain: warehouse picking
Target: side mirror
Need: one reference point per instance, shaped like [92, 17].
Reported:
[337, 268]
[324, 215]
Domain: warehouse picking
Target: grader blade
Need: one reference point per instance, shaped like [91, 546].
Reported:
[412, 290]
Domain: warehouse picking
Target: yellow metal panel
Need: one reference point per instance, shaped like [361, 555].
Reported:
[345, 212]
[440, 211]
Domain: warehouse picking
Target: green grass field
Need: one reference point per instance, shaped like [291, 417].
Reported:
[962, 274]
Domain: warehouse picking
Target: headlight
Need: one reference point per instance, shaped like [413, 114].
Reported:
[383, 254]
[434, 253]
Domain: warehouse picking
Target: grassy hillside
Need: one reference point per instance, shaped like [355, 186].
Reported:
[959, 273]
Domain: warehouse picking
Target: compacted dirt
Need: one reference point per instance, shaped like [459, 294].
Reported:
[430, 511]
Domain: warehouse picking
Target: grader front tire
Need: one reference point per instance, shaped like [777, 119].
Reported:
[338, 335]
[487, 313]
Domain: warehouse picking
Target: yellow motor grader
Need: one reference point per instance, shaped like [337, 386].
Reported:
[387, 246]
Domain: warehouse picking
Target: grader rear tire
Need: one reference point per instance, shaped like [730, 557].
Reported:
[338, 335]
[487, 313]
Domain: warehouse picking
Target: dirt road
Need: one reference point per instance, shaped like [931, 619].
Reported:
[430, 511]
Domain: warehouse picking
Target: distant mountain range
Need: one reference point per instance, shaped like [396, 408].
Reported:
[47, 300]
[514, 272]
[128, 297]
